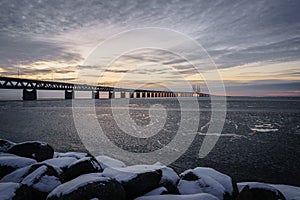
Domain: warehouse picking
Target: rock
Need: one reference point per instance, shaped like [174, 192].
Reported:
[18, 175]
[2, 154]
[77, 155]
[260, 191]
[169, 178]
[136, 180]
[37, 150]
[106, 161]
[15, 191]
[82, 166]
[158, 191]
[87, 187]
[42, 181]
[288, 191]
[5, 144]
[205, 180]
[202, 196]
[61, 162]
[231, 189]
[10, 163]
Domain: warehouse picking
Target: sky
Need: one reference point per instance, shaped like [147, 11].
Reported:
[255, 45]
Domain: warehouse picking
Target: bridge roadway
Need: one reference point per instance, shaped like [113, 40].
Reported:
[30, 87]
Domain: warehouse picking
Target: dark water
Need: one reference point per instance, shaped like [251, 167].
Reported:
[260, 140]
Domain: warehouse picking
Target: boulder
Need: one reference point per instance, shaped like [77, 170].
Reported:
[42, 181]
[136, 180]
[77, 155]
[15, 191]
[202, 196]
[207, 180]
[231, 189]
[5, 144]
[18, 175]
[106, 161]
[169, 178]
[260, 191]
[157, 191]
[61, 162]
[89, 186]
[10, 163]
[82, 166]
[37, 150]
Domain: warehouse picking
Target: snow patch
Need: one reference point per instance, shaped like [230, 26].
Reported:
[157, 191]
[202, 196]
[124, 174]
[106, 161]
[60, 162]
[40, 181]
[205, 184]
[77, 155]
[7, 190]
[16, 161]
[225, 180]
[76, 183]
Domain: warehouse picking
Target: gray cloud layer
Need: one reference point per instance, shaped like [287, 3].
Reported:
[233, 32]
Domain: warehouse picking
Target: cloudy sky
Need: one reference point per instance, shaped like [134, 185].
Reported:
[254, 44]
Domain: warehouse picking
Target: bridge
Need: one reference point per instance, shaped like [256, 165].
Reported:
[30, 87]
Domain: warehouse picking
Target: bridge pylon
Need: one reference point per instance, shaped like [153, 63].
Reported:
[29, 94]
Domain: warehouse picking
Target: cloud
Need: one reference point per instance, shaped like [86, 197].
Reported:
[233, 32]
[26, 50]
[281, 51]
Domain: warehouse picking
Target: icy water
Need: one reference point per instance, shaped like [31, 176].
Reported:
[260, 140]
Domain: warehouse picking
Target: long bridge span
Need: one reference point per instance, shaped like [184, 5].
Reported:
[30, 87]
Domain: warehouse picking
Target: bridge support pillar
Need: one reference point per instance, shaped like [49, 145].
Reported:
[138, 95]
[131, 94]
[111, 94]
[144, 94]
[95, 95]
[123, 94]
[69, 94]
[29, 95]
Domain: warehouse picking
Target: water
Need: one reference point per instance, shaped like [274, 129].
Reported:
[260, 140]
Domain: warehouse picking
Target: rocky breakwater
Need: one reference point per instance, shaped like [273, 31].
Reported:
[32, 170]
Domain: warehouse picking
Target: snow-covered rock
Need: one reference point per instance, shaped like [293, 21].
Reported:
[106, 161]
[77, 155]
[37, 150]
[259, 191]
[15, 191]
[5, 144]
[82, 166]
[42, 180]
[136, 180]
[289, 192]
[61, 162]
[202, 196]
[89, 186]
[18, 175]
[157, 191]
[10, 163]
[2, 154]
[169, 178]
[226, 181]
[207, 180]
